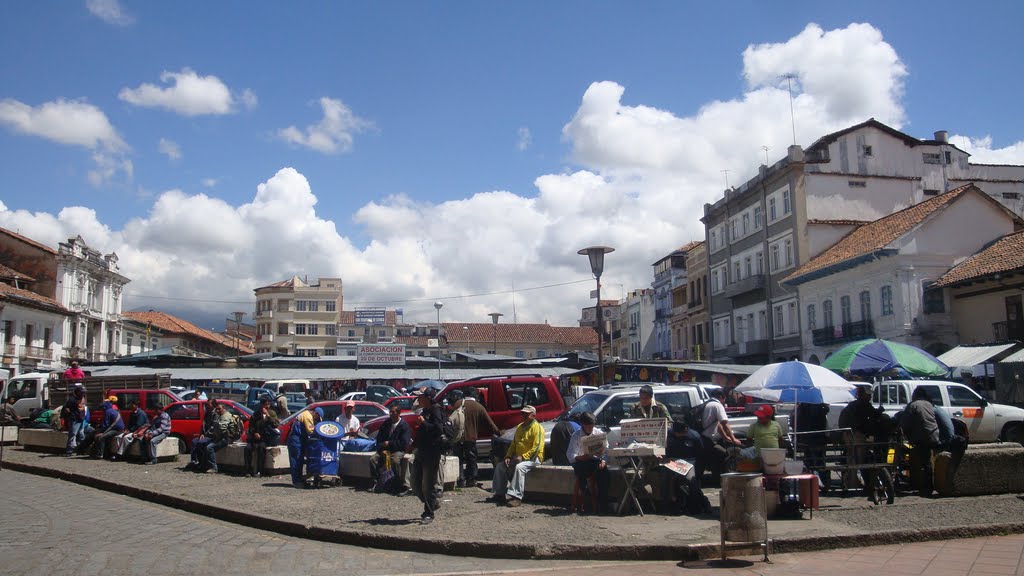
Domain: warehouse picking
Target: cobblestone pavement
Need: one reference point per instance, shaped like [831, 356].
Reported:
[49, 526]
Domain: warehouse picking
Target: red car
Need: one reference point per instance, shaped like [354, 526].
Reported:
[365, 412]
[406, 403]
[187, 420]
[503, 396]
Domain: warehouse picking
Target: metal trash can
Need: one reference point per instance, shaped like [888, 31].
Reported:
[743, 516]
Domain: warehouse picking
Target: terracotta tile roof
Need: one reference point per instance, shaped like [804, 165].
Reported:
[877, 235]
[30, 241]
[906, 138]
[837, 221]
[173, 325]
[690, 245]
[1004, 255]
[417, 341]
[458, 332]
[242, 343]
[12, 274]
[18, 296]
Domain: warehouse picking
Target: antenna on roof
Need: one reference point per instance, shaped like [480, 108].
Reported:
[514, 319]
[726, 172]
[789, 85]
[766, 149]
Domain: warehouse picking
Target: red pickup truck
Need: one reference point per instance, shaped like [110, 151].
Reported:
[148, 399]
[503, 396]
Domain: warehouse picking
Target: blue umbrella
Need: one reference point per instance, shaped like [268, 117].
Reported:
[435, 384]
[797, 382]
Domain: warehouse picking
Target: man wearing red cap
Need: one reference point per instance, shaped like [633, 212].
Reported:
[348, 421]
[766, 432]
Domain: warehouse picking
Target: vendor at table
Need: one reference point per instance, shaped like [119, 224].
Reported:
[766, 432]
[589, 464]
[647, 407]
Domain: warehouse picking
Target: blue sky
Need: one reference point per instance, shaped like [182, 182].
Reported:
[460, 147]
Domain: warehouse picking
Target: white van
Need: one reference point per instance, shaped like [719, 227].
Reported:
[282, 386]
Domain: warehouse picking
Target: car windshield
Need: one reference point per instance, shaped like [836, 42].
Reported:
[589, 402]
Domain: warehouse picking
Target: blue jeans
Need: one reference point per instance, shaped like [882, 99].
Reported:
[76, 433]
[211, 451]
[296, 456]
[149, 446]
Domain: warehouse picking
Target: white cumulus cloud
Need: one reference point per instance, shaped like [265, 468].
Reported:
[109, 11]
[332, 134]
[189, 94]
[75, 123]
[981, 150]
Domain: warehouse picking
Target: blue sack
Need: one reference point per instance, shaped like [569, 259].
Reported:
[359, 445]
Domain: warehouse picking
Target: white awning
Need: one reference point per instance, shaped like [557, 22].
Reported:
[1017, 356]
[967, 356]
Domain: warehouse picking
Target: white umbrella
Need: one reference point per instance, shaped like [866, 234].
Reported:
[797, 382]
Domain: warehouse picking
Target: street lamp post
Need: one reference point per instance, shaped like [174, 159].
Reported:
[596, 256]
[437, 306]
[494, 320]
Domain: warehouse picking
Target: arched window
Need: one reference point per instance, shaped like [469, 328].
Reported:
[826, 313]
[865, 305]
[844, 310]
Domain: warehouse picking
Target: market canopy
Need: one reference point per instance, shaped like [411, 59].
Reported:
[967, 355]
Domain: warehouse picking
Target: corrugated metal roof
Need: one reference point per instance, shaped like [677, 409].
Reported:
[1017, 356]
[717, 368]
[966, 356]
[262, 374]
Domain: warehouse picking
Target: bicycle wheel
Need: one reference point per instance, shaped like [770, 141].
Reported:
[886, 489]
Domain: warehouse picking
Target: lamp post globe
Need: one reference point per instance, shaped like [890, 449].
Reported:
[596, 256]
[494, 320]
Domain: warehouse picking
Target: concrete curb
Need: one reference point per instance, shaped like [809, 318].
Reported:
[681, 552]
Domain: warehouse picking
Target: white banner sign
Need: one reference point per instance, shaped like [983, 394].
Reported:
[380, 355]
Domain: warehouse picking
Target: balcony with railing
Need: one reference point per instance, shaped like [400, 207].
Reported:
[748, 348]
[1009, 330]
[36, 353]
[748, 284]
[847, 332]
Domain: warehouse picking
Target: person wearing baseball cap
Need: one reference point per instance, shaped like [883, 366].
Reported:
[647, 407]
[766, 432]
[525, 452]
[348, 421]
[425, 476]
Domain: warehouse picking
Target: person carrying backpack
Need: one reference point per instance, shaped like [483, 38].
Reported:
[426, 465]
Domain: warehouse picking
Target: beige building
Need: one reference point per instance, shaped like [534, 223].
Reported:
[691, 322]
[297, 318]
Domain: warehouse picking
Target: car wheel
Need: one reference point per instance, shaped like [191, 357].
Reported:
[1014, 433]
[182, 446]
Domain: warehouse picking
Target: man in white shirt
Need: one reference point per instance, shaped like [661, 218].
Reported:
[589, 464]
[714, 431]
[348, 421]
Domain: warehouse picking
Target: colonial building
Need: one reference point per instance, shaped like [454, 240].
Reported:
[669, 273]
[880, 280]
[88, 283]
[297, 318]
[147, 331]
[765, 229]
[984, 292]
[638, 325]
[696, 328]
[32, 325]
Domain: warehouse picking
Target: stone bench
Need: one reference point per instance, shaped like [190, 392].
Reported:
[355, 468]
[43, 440]
[996, 468]
[231, 458]
[10, 434]
[166, 450]
[550, 484]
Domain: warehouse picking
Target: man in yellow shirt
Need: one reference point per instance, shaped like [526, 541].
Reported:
[525, 452]
[766, 432]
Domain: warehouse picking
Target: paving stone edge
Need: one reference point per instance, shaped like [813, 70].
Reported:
[677, 552]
